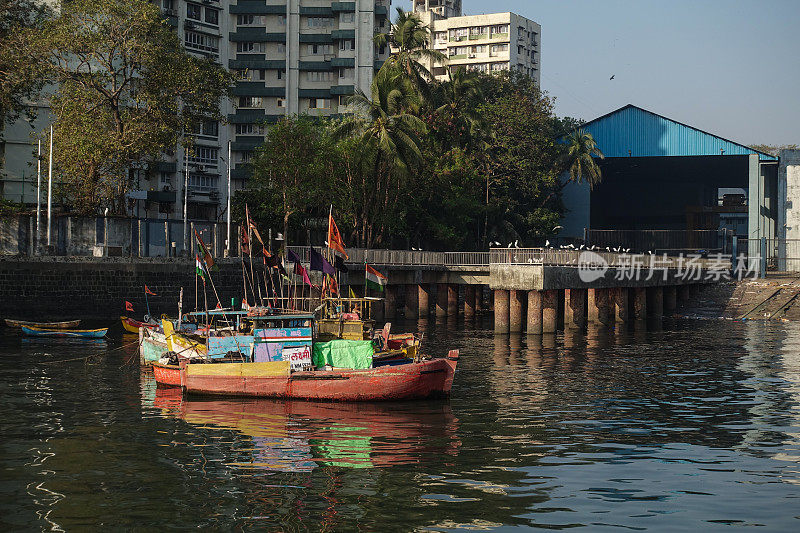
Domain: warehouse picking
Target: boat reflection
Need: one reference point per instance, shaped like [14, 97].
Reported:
[296, 436]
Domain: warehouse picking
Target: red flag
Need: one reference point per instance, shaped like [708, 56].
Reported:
[334, 287]
[129, 306]
[148, 291]
[301, 271]
[219, 305]
[245, 242]
[335, 241]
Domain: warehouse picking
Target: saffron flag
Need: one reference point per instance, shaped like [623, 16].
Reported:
[200, 268]
[335, 241]
[129, 306]
[244, 242]
[207, 259]
[319, 263]
[333, 286]
[148, 291]
[374, 279]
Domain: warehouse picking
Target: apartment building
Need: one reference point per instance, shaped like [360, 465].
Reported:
[289, 57]
[484, 43]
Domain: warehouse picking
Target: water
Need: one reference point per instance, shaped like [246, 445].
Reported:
[694, 426]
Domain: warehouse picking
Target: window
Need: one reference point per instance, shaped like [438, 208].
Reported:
[250, 102]
[243, 157]
[317, 49]
[249, 129]
[498, 48]
[165, 178]
[281, 74]
[347, 44]
[201, 42]
[281, 102]
[347, 18]
[203, 181]
[208, 128]
[480, 49]
[282, 20]
[319, 76]
[497, 67]
[459, 34]
[204, 155]
[281, 48]
[193, 11]
[320, 22]
[347, 73]
[319, 103]
[250, 20]
[500, 28]
[343, 99]
[251, 47]
[441, 36]
[212, 16]
[169, 7]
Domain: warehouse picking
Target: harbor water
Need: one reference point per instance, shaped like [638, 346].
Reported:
[690, 425]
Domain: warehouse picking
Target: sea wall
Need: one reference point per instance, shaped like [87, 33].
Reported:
[97, 288]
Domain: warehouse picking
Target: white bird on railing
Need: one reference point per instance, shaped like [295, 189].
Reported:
[497, 243]
[413, 248]
[593, 247]
[516, 244]
[571, 246]
[618, 249]
[649, 252]
[530, 260]
[608, 249]
[547, 244]
[627, 250]
[581, 247]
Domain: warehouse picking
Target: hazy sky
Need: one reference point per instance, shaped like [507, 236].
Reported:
[730, 67]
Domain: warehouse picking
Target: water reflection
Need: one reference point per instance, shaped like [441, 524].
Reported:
[295, 436]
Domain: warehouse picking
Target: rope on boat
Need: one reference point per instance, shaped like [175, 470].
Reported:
[88, 356]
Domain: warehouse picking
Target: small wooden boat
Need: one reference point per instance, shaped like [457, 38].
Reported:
[412, 381]
[49, 325]
[75, 333]
[152, 345]
[167, 375]
[132, 325]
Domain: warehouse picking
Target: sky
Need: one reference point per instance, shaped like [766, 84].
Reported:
[729, 67]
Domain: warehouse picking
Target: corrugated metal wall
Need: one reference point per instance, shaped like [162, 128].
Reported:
[647, 134]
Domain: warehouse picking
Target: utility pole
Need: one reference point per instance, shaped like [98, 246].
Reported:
[50, 190]
[228, 241]
[38, 198]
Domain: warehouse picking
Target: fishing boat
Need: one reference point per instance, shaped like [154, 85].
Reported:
[166, 374]
[152, 345]
[285, 363]
[49, 325]
[132, 325]
[75, 333]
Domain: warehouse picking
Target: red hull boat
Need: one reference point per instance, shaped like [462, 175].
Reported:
[168, 375]
[411, 381]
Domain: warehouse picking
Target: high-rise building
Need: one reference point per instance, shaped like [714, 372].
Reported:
[289, 57]
[484, 43]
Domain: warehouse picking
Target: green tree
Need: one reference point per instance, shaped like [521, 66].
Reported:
[127, 91]
[389, 136]
[21, 77]
[409, 37]
[457, 120]
[579, 156]
[293, 172]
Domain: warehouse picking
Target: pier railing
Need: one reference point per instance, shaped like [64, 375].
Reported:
[406, 257]
[589, 258]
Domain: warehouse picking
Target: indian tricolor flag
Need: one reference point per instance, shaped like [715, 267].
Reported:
[200, 268]
[374, 279]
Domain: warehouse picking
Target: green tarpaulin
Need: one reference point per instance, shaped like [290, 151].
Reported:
[343, 354]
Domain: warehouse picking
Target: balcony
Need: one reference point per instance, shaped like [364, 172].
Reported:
[247, 7]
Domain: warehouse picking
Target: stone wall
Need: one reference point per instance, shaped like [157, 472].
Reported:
[89, 288]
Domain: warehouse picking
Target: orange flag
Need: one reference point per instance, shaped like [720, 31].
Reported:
[335, 242]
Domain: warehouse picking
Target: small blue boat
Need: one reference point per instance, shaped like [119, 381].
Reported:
[75, 333]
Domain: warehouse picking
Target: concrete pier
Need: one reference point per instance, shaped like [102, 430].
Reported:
[534, 313]
[423, 297]
[549, 311]
[469, 301]
[670, 300]
[640, 303]
[390, 302]
[501, 309]
[516, 305]
[575, 308]
[441, 300]
[479, 308]
[683, 294]
[452, 300]
[621, 308]
[694, 291]
[600, 303]
[412, 301]
[655, 302]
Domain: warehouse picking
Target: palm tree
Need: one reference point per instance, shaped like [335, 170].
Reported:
[390, 135]
[409, 37]
[460, 96]
[579, 158]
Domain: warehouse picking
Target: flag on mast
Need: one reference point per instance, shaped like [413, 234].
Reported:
[335, 241]
[200, 268]
[374, 279]
[207, 258]
[148, 291]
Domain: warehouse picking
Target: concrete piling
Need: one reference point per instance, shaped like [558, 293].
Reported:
[670, 300]
[501, 309]
[516, 305]
[390, 302]
[412, 301]
[600, 303]
[550, 311]
[655, 302]
[452, 300]
[479, 299]
[683, 294]
[621, 308]
[469, 301]
[575, 308]
[441, 300]
[640, 303]
[534, 313]
[423, 303]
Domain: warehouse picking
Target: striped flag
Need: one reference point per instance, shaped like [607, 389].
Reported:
[374, 279]
[200, 268]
